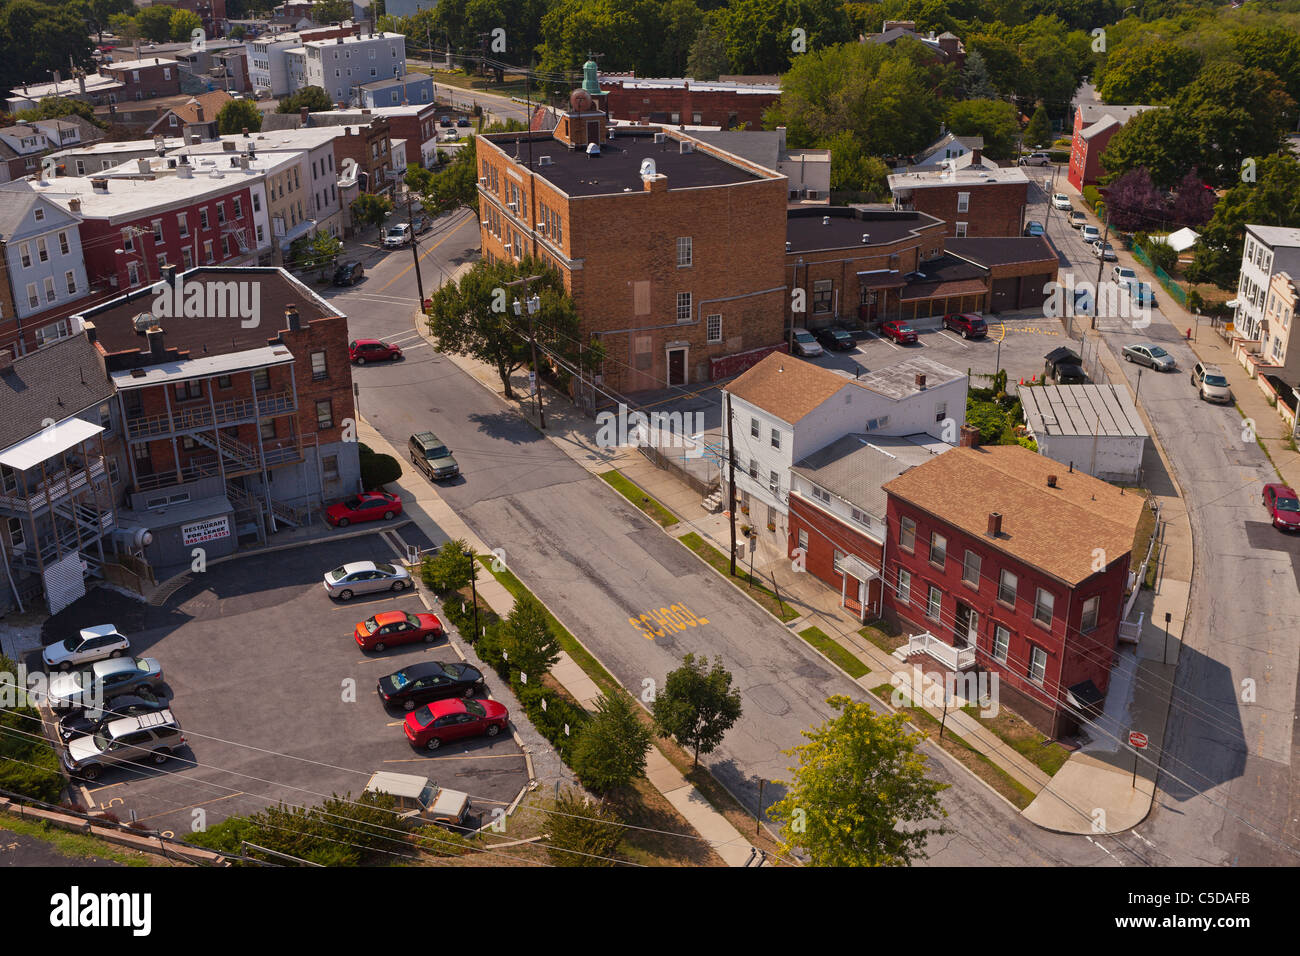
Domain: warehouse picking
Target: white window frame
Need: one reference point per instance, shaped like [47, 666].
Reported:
[1037, 664]
[934, 603]
[1004, 585]
[963, 202]
[971, 557]
[1044, 599]
[907, 535]
[903, 587]
[713, 329]
[1001, 642]
[683, 307]
[1090, 615]
[685, 252]
[960, 232]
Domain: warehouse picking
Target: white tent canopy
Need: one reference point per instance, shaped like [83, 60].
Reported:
[1179, 241]
[47, 443]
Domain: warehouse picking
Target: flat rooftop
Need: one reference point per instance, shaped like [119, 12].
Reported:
[961, 176]
[899, 381]
[1081, 410]
[998, 251]
[677, 83]
[840, 227]
[108, 148]
[618, 168]
[131, 197]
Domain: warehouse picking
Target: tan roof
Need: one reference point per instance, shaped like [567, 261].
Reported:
[1054, 529]
[211, 103]
[787, 387]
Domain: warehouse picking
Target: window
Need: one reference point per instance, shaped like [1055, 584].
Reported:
[39, 214]
[128, 240]
[683, 306]
[838, 561]
[1001, 642]
[188, 443]
[861, 517]
[63, 243]
[330, 466]
[753, 468]
[821, 494]
[934, 603]
[324, 414]
[207, 251]
[773, 482]
[970, 569]
[684, 252]
[50, 294]
[1007, 588]
[157, 230]
[940, 411]
[1091, 611]
[754, 431]
[823, 292]
[239, 208]
[187, 256]
[961, 230]
[26, 252]
[221, 212]
[113, 474]
[1037, 664]
[42, 251]
[907, 535]
[16, 538]
[319, 370]
[261, 380]
[803, 540]
[267, 430]
[71, 279]
[33, 296]
[106, 417]
[257, 202]
[183, 224]
[776, 438]
[963, 202]
[1043, 603]
[938, 549]
[223, 381]
[186, 391]
[904, 589]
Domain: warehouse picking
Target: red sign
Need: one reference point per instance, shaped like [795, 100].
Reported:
[1137, 740]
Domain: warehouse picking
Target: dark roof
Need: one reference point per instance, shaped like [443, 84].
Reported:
[1002, 251]
[618, 168]
[946, 268]
[805, 231]
[51, 383]
[276, 121]
[115, 331]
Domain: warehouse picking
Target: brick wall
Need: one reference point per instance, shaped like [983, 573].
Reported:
[152, 82]
[716, 108]
[825, 534]
[995, 209]
[330, 335]
[367, 146]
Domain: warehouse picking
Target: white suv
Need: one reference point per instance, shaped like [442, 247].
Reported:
[131, 741]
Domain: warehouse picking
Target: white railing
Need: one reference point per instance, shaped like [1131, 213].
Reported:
[60, 486]
[953, 658]
[1131, 631]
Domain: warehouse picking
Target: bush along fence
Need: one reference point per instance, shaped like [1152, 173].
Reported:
[1163, 277]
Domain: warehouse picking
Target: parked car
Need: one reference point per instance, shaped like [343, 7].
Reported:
[1152, 356]
[1064, 367]
[448, 136]
[1033, 228]
[88, 720]
[463, 122]
[899, 331]
[1211, 384]
[366, 577]
[90, 644]
[1061, 201]
[128, 740]
[372, 350]
[805, 344]
[419, 801]
[833, 338]
[397, 235]
[430, 680]
[1036, 159]
[367, 506]
[1142, 294]
[444, 121]
[349, 273]
[1123, 275]
[446, 720]
[1104, 251]
[103, 681]
[1077, 219]
[970, 325]
[391, 628]
[1090, 234]
[1283, 506]
[422, 225]
[432, 457]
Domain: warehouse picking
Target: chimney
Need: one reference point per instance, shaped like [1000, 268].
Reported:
[169, 274]
[74, 205]
[976, 156]
[1051, 481]
[156, 61]
[228, 146]
[81, 83]
[920, 381]
[970, 437]
[995, 524]
[7, 356]
[143, 165]
[291, 319]
[866, 238]
[198, 111]
[303, 113]
[245, 132]
[154, 336]
[92, 334]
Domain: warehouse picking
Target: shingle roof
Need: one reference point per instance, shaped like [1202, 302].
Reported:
[211, 102]
[1054, 529]
[855, 466]
[55, 382]
[787, 387]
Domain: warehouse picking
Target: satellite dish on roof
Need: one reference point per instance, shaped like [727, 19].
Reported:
[647, 167]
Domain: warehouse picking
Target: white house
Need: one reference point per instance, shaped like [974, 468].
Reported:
[1268, 251]
[340, 66]
[43, 259]
[784, 409]
[1095, 429]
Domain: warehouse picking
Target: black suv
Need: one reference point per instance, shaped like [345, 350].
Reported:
[834, 338]
[1064, 367]
[349, 273]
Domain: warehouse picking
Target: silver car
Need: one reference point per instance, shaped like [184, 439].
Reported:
[103, 681]
[1211, 383]
[130, 741]
[366, 577]
[90, 644]
[1152, 356]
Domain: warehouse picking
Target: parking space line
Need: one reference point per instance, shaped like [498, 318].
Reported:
[201, 803]
[457, 757]
[951, 339]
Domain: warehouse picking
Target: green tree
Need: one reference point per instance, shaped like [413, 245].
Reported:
[124, 26]
[237, 32]
[316, 251]
[611, 748]
[697, 706]
[451, 569]
[853, 170]
[371, 210]
[976, 84]
[859, 796]
[583, 832]
[237, 115]
[453, 187]
[708, 56]
[1273, 199]
[526, 636]
[1039, 130]
[995, 120]
[39, 38]
[183, 23]
[313, 97]
[331, 11]
[1147, 71]
[377, 470]
[1232, 112]
[1156, 140]
[155, 23]
[54, 107]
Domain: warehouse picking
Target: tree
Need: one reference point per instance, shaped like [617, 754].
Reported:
[611, 747]
[526, 636]
[371, 210]
[975, 81]
[316, 251]
[1039, 130]
[331, 11]
[453, 187]
[54, 107]
[1192, 204]
[995, 120]
[237, 32]
[313, 97]
[697, 707]
[451, 569]
[377, 470]
[1155, 140]
[39, 38]
[1232, 112]
[859, 796]
[1272, 200]
[1134, 203]
[238, 115]
[124, 25]
[852, 170]
[1145, 71]
[183, 24]
[587, 829]
[155, 23]
[708, 57]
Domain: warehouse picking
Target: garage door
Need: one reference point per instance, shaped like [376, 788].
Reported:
[1004, 294]
[1031, 290]
[64, 582]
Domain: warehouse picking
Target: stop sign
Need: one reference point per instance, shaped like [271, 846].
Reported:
[1136, 739]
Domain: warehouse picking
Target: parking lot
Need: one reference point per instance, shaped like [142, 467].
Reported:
[276, 700]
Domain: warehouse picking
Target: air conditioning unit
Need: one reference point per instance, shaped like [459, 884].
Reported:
[541, 225]
[513, 206]
[544, 161]
[485, 222]
[661, 137]
[507, 247]
[482, 179]
[687, 146]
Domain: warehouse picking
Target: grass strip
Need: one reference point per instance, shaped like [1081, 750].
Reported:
[633, 493]
[742, 579]
[843, 659]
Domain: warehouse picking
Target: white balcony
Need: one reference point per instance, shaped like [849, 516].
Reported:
[953, 658]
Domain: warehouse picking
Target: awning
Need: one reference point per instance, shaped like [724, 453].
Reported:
[855, 567]
[945, 290]
[1085, 696]
[47, 443]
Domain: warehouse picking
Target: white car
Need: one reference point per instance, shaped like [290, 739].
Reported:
[1104, 251]
[1123, 276]
[1090, 233]
[90, 645]
[1061, 201]
[448, 136]
[805, 344]
[397, 235]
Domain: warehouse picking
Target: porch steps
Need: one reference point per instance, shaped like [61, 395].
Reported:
[713, 503]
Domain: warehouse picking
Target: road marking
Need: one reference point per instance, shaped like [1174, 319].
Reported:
[945, 334]
[460, 757]
[450, 232]
[676, 618]
[201, 803]
[1002, 330]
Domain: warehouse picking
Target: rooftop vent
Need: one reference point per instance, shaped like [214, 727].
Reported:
[228, 146]
[866, 237]
[686, 146]
[144, 321]
[544, 161]
[826, 220]
[99, 184]
[647, 168]
[661, 137]
[593, 149]
[1051, 481]
[787, 245]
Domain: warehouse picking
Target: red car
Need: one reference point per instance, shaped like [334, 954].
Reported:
[397, 627]
[899, 331]
[443, 721]
[1283, 506]
[367, 506]
[372, 350]
[970, 326]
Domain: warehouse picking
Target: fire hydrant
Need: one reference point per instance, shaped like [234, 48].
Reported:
[1189, 335]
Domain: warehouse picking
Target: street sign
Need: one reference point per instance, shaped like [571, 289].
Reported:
[1137, 740]
[532, 382]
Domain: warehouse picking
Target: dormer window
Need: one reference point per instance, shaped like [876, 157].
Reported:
[39, 214]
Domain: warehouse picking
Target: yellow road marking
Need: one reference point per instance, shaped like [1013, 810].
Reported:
[426, 253]
[660, 621]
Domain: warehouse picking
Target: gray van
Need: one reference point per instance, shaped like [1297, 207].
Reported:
[432, 457]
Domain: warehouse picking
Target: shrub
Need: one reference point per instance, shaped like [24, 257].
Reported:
[28, 764]
[450, 569]
[1091, 195]
[526, 635]
[610, 751]
[588, 828]
[377, 470]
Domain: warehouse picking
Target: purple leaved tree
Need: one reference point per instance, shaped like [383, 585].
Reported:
[1193, 203]
[1135, 204]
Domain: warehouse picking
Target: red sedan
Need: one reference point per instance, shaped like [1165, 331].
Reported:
[1283, 506]
[367, 506]
[443, 721]
[397, 627]
[899, 331]
[970, 326]
[372, 350]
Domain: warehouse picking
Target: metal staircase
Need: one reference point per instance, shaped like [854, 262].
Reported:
[242, 456]
[90, 520]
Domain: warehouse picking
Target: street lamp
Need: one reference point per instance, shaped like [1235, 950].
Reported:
[532, 304]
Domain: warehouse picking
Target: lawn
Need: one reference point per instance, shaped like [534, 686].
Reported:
[842, 658]
[1022, 737]
[78, 846]
[884, 635]
[742, 579]
[633, 493]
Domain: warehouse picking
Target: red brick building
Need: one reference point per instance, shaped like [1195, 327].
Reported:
[368, 147]
[687, 102]
[1007, 562]
[144, 79]
[1094, 125]
[973, 195]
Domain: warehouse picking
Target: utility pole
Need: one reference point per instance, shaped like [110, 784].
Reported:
[731, 484]
[415, 251]
[1101, 264]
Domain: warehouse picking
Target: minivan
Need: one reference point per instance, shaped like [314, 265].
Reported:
[130, 741]
[432, 457]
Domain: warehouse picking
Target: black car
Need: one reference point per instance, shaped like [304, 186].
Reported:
[463, 121]
[834, 339]
[423, 224]
[430, 680]
[1064, 367]
[89, 720]
[349, 273]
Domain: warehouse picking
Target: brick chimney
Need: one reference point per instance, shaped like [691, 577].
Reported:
[303, 113]
[970, 437]
[1051, 481]
[995, 523]
[920, 381]
[198, 111]
[74, 205]
[291, 318]
[977, 156]
[157, 351]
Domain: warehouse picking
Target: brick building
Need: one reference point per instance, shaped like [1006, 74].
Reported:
[368, 147]
[144, 79]
[973, 195]
[1019, 270]
[1094, 125]
[1007, 562]
[687, 102]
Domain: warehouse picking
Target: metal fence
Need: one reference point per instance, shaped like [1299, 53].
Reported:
[1163, 277]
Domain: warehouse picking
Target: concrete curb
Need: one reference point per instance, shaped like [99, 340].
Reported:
[143, 842]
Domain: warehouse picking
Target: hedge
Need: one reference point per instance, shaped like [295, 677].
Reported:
[1091, 195]
[377, 470]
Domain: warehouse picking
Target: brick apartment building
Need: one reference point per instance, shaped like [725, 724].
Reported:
[1094, 125]
[687, 102]
[992, 554]
[644, 227]
[973, 195]
[369, 148]
[144, 79]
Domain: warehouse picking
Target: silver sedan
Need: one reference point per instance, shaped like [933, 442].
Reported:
[1152, 356]
[366, 577]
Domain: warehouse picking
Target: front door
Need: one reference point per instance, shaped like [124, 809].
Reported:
[677, 367]
[967, 626]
